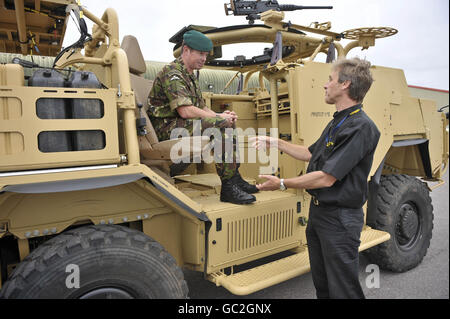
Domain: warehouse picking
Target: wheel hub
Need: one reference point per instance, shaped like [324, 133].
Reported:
[408, 225]
[107, 293]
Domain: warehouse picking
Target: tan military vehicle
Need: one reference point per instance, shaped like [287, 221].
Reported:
[91, 204]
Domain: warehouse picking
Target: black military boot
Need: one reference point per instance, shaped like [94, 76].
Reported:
[231, 192]
[244, 185]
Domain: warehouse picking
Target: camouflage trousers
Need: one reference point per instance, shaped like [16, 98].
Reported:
[229, 164]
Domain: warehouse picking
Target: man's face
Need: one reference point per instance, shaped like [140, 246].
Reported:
[333, 89]
[194, 59]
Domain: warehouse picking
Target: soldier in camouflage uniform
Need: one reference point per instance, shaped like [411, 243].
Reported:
[176, 101]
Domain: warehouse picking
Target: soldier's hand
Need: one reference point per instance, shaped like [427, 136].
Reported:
[231, 113]
[231, 117]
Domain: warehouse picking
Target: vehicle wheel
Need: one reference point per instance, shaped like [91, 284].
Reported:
[112, 261]
[405, 212]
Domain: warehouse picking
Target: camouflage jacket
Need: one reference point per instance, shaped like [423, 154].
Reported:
[174, 87]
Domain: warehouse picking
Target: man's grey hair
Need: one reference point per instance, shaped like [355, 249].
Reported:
[356, 71]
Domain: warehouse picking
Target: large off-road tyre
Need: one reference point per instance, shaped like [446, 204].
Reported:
[112, 261]
[405, 212]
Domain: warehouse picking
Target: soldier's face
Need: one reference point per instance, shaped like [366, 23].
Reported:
[193, 59]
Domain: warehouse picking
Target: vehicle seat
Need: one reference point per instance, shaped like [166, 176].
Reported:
[152, 151]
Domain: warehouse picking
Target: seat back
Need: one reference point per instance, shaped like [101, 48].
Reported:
[141, 87]
[136, 62]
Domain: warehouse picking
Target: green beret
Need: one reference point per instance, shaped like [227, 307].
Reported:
[197, 41]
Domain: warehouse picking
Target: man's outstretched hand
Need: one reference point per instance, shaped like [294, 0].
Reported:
[272, 183]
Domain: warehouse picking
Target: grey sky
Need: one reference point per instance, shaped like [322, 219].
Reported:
[420, 48]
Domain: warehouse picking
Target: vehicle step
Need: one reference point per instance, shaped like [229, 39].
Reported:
[260, 277]
[372, 237]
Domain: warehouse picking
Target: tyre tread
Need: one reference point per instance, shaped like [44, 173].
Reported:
[73, 241]
[387, 195]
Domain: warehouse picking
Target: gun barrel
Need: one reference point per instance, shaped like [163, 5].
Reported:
[291, 7]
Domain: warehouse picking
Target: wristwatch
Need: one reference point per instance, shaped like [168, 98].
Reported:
[282, 187]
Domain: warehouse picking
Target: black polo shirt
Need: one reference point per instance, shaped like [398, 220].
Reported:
[348, 157]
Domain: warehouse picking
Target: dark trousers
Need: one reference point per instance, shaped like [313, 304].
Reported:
[333, 240]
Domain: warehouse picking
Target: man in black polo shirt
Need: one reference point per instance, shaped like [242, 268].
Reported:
[339, 165]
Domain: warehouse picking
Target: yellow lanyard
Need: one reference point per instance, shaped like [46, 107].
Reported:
[328, 139]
